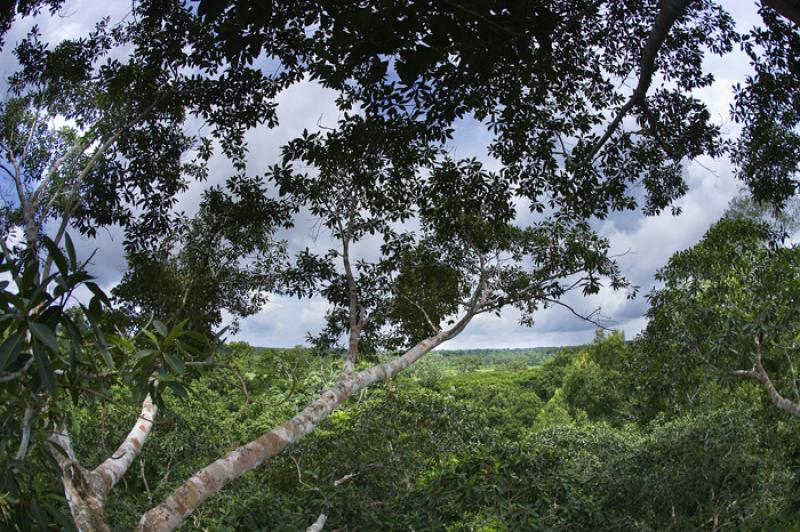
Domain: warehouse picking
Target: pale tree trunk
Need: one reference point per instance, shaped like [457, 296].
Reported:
[758, 373]
[319, 524]
[86, 490]
[354, 310]
[209, 480]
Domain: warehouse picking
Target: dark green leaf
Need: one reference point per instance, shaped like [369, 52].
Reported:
[98, 292]
[175, 363]
[105, 353]
[39, 515]
[94, 308]
[161, 328]
[44, 367]
[10, 350]
[57, 256]
[73, 260]
[144, 353]
[44, 334]
[178, 388]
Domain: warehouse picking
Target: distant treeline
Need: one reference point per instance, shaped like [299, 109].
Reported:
[531, 356]
[528, 356]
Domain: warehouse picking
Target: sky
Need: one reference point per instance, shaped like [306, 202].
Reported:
[643, 244]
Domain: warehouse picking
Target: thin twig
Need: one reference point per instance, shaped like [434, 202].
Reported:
[144, 481]
[588, 317]
[8, 377]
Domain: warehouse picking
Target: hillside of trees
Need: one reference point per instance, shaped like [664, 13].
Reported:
[125, 404]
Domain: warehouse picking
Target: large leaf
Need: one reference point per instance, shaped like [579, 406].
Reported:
[98, 292]
[10, 350]
[102, 345]
[73, 331]
[178, 388]
[73, 260]
[161, 328]
[44, 334]
[105, 353]
[44, 367]
[143, 353]
[57, 256]
[175, 363]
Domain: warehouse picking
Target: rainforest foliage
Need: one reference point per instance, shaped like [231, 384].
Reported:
[650, 433]
[570, 443]
[590, 110]
[638, 435]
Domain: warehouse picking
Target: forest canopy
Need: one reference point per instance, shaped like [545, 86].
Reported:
[592, 112]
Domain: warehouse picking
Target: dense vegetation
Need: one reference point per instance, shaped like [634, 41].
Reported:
[566, 444]
[637, 435]
[590, 110]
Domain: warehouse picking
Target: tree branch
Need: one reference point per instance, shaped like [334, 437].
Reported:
[86, 490]
[72, 200]
[27, 417]
[209, 480]
[487, 20]
[8, 377]
[759, 374]
[112, 470]
[28, 140]
[74, 150]
[667, 15]
[318, 525]
[779, 400]
[435, 328]
[587, 317]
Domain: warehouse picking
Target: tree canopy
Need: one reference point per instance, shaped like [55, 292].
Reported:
[96, 132]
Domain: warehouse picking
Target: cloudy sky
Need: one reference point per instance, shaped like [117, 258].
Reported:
[645, 243]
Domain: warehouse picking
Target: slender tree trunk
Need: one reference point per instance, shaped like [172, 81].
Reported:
[356, 323]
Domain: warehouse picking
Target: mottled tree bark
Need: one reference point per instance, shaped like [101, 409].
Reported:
[758, 373]
[356, 320]
[86, 490]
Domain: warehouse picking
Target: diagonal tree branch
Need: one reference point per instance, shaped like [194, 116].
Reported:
[759, 374]
[209, 480]
[667, 15]
[434, 327]
[112, 470]
[585, 317]
[86, 490]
